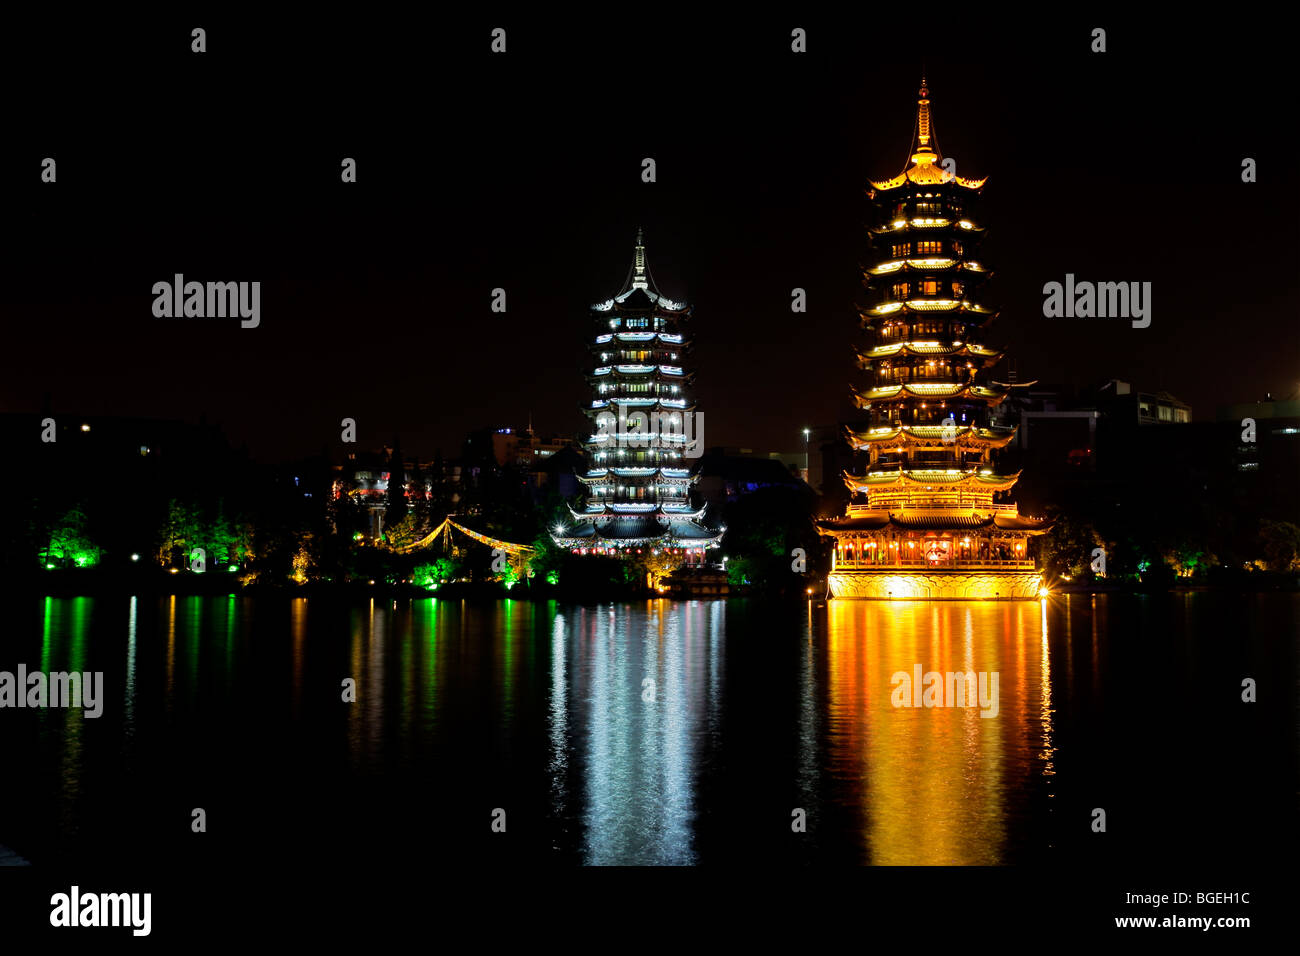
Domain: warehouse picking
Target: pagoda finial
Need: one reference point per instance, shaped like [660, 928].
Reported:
[924, 152]
[639, 280]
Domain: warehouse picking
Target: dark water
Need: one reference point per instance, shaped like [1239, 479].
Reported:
[654, 733]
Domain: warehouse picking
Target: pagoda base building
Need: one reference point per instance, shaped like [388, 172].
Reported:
[930, 517]
[967, 553]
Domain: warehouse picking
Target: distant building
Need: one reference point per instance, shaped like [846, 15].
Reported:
[1263, 439]
[1117, 400]
[1063, 431]
[728, 474]
[510, 446]
[365, 476]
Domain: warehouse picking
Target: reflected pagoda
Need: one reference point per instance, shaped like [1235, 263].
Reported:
[647, 430]
[931, 516]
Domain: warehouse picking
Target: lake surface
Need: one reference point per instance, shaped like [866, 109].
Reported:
[658, 732]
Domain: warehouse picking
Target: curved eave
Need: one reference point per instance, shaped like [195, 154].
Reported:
[666, 403]
[687, 535]
[987, 357]
[960, 524]
[1024, 523]
[913, 266]
[934, 177]
[609, 373]
[896, 481]
[696, 515]
[932, 308]
[851, 523]
[927, 224]
[658, 474]
[644, 338]
[970, 436]
[895, 392]
[654, 303]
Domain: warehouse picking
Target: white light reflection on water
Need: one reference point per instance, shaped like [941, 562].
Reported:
[644, 687]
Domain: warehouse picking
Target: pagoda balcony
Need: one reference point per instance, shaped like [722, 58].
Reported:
[935, 509]
[1022, 564]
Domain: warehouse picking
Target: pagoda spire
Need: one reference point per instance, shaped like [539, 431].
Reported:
[925, 154]
[639, 280]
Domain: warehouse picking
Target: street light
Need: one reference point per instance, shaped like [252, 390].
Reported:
[805, 454]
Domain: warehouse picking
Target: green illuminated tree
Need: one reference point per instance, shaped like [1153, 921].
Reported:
[69, 545]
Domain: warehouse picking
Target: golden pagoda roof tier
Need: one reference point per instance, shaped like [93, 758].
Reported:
[927, 306]
[961, 523]
[896, 226]
[1024, 523]
[925, 175]
[944, 390]
[930, 348]
[970, 435]
[926, 168]
[926, 522]
[949, 478]
[935, 264]
[909, 522]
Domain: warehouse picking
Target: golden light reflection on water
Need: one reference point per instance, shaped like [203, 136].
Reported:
[935, 783]
[298, 637]
[171, 652]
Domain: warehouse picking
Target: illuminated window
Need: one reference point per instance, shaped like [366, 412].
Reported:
[929, 248]
[930, 287]
[901, 249]
[900, 290]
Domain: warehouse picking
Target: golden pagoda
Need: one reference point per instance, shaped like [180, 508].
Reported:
[930, 517]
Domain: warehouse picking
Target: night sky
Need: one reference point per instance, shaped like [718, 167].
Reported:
[523, 171]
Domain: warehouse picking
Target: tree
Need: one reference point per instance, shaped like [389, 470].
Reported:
[763, 530]
[433, 574]
[546, 561]
[1066, 550]
[345, 512]
[69, 545]
[403, 534]
[655, 564]
[1280, 542]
